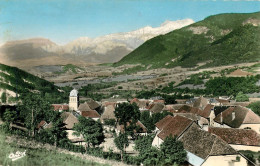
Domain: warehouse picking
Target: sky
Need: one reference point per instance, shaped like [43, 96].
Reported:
[65, 20]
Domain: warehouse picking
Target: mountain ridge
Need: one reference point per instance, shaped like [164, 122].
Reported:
[196, 43]
[104, 49]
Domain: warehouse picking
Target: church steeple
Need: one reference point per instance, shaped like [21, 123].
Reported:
[74, 100]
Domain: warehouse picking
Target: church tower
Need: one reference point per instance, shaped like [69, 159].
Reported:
[74, 100]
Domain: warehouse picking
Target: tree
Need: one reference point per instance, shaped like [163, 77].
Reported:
[91, 131]
[146, 119]
[121, 142]
[127, 113]
[10, 115]
[34, 109]
[57, 131]
[255, 106]
[151, 156]
[143, 143]
[173, 151]
[3, 97]
[241, 97]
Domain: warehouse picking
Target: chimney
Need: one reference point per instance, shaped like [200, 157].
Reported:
[233, 115]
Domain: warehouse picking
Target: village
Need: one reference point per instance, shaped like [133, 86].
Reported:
[211, 129]
[129, 83]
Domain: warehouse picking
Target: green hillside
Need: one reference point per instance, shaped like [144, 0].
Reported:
[217, 40]
[20, 82]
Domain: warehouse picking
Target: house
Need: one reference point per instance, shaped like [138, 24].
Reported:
[214, 102]
[60, 107]
[206, 149]
[204, 117]
[238, 117]
[155, 108]
[142, 129]
[117, 101]
[108, 113]
[86, 111]
[44, 125]
[181, 101]
[93, 105]
[201, 103]
[171, 125]
[239, 139]
[142, 104]
[70, 120]
[223, 101]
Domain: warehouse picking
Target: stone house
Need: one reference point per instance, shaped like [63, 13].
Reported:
[171, 125]
[206, 149]
[70, 120]
[239, 139]
[238, 117]
[86, 111]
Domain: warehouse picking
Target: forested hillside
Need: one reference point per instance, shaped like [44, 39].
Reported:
[15, 82]
[217, 40]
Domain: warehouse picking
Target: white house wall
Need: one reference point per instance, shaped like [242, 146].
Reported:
[70, 135]
[244, 147]
[220, 125]
[255, 127]
[227, 160]
[157, 141]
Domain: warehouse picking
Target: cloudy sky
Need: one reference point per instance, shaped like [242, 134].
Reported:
[65, 20]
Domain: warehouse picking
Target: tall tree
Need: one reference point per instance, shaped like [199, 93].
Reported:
[127, 113]
[121, 142]
[3, 97]
[34, 109]
[241, 97]
[255, 106]
[91, 131]
[173, 151]
[57, 130]
[143, 143]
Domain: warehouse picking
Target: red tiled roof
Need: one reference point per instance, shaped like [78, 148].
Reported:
[169, 108]
[41, 124]
[138, 123]
[242, 115]
[90, 114]
[163, 122]
[237, 136]
[206, 112]
[57, 107]
[69, 119]
[135, 100]
[203, 144]
[157, 107]
[188, 109]
[175, 127]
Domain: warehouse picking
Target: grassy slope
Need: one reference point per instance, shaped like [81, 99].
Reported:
[38, 156]
[242, 44]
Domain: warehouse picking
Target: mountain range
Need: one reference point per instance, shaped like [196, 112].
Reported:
[105, 49]
[217, 40]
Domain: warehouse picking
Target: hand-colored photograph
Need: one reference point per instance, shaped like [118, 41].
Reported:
[129, 82]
